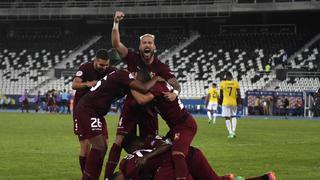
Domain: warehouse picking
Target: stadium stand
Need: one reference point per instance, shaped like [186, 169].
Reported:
[195, 66]
[23, 64]
[305, 66]
[246, 55]
[309, 59]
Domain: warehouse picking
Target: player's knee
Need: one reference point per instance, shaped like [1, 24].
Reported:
[99, 143]
[84, 142]
[84, 147]
[99, 146]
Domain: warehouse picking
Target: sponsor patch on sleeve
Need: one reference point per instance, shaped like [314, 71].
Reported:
[131, 76]
[79, 73]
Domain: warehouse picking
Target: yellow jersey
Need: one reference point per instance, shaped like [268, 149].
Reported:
[213, 95]
[229, 89]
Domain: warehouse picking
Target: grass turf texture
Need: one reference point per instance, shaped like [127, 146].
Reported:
[42, 146]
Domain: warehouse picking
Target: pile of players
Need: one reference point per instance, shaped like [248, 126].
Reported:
[149, 89]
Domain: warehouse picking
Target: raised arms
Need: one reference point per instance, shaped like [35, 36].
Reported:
[115, 35]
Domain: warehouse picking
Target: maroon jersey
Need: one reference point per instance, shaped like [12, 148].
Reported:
[198, 166]
[135, 64]
[197, 163]
[87, 73]
[173, 112]
[111, 87]
[134, 114]
[128, 163]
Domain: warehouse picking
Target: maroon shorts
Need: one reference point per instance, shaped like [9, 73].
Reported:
[87, 123]
[133, 115]
[182, 135]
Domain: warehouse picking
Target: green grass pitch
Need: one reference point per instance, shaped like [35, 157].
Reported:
[42, 146]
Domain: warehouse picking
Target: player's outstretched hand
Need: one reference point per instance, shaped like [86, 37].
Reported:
[118, 16]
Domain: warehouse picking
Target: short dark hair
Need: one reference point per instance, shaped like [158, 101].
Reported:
[214, 84]
[102, 54]
[143, 75]
[227, 75]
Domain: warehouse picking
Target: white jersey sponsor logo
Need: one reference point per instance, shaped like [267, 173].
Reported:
[79, 73]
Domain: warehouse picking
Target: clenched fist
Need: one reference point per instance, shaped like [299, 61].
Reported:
[118, 16]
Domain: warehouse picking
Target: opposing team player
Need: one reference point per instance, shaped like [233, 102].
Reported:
[230, 97]
[212, 103]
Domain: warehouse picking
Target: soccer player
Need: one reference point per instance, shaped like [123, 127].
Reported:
[144, 62]
[85, 78]
[37, 101]
[151, 158]
[182, 125]
[92, 108]
[132, 115]
[230, 96]
[212, 103]
[145, 58]
[24, 101]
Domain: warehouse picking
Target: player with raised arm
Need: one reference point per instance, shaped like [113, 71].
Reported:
[144, 62]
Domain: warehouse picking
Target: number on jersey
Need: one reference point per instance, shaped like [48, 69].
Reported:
[98, 83]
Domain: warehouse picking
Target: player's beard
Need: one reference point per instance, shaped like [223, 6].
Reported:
[147, 54]
[100, 70]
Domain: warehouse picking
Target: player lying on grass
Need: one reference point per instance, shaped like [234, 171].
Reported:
[150, 159]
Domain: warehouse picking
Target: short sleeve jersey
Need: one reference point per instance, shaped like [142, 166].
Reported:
[135, 64]
[172, 112]
[111, 87]
[87, 72]
[133, 114]
[128, 163]
[229, 89]
[213, 95]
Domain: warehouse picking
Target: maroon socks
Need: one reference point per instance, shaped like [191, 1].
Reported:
[113, 159]
[93, 165]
